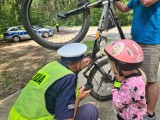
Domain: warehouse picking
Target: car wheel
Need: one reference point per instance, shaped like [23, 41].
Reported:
[16, 38]
[45, 34]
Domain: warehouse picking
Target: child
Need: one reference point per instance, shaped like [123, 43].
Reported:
[128, 92]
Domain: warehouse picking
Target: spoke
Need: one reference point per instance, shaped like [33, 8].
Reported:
[100, 85]
[96, 81]
[99, 81]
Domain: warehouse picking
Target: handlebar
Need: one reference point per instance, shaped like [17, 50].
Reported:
[85, 6]
[99, 3]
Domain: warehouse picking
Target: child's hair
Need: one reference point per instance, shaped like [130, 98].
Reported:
[126, 54]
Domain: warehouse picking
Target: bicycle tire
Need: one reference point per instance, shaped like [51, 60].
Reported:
[29, 18]
[104, 64]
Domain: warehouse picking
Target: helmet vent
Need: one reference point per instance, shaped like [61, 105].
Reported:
[135, 46]
[129, 51]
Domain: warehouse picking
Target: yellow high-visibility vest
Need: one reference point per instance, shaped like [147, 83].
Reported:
[57, 24]
[31, 105]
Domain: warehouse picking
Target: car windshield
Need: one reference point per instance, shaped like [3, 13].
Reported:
[36, 27]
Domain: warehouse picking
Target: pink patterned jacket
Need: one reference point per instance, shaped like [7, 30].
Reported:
[129, 101]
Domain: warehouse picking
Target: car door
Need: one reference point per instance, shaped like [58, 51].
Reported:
[23, 33]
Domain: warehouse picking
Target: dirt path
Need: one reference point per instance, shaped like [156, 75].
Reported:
[19, 61]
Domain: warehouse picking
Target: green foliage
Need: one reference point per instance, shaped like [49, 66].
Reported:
[125, 19]
[89, 45]
[9, 13]
[43, 13]
[1, 37]
[95, 16]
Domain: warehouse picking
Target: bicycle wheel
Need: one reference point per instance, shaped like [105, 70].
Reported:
[102, 84]
[43, 13]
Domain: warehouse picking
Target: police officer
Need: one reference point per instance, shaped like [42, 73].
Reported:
[52, 92]
[57, 26]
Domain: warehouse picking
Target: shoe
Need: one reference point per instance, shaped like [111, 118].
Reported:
[146, 117]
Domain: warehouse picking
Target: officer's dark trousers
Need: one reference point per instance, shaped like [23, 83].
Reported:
[57, 27]
[87, 112]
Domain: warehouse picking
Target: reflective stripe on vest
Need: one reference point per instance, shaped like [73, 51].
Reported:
[16, 116]
[33, 106]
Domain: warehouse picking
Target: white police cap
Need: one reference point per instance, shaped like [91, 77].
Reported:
[72, 52]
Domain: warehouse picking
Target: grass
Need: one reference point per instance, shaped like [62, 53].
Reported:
[6, 81]
[89, 46]
[126, 27]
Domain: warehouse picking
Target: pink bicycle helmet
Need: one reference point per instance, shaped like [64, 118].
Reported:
[127, 54]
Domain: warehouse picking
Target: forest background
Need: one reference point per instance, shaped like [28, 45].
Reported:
[10, 13]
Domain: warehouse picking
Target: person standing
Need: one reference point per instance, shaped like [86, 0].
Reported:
[57, 26]
[146, 32]
[52, 92]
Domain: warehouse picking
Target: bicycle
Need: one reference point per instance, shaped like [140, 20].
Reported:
[99, 66]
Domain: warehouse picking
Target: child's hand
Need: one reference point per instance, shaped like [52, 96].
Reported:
[118, 77]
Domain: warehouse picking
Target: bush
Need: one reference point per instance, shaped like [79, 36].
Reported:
[1, 37]
[125, 19]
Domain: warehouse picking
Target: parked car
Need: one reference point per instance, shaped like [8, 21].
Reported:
[17, 33]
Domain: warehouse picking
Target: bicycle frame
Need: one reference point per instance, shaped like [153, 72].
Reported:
[104, 16]
[103, 25]
[108, 8]
[95, 59]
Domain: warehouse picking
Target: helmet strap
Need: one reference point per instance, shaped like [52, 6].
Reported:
[119, 70]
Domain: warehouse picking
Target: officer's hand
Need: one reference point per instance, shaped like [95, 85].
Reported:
[85, 62]
[82, 94]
